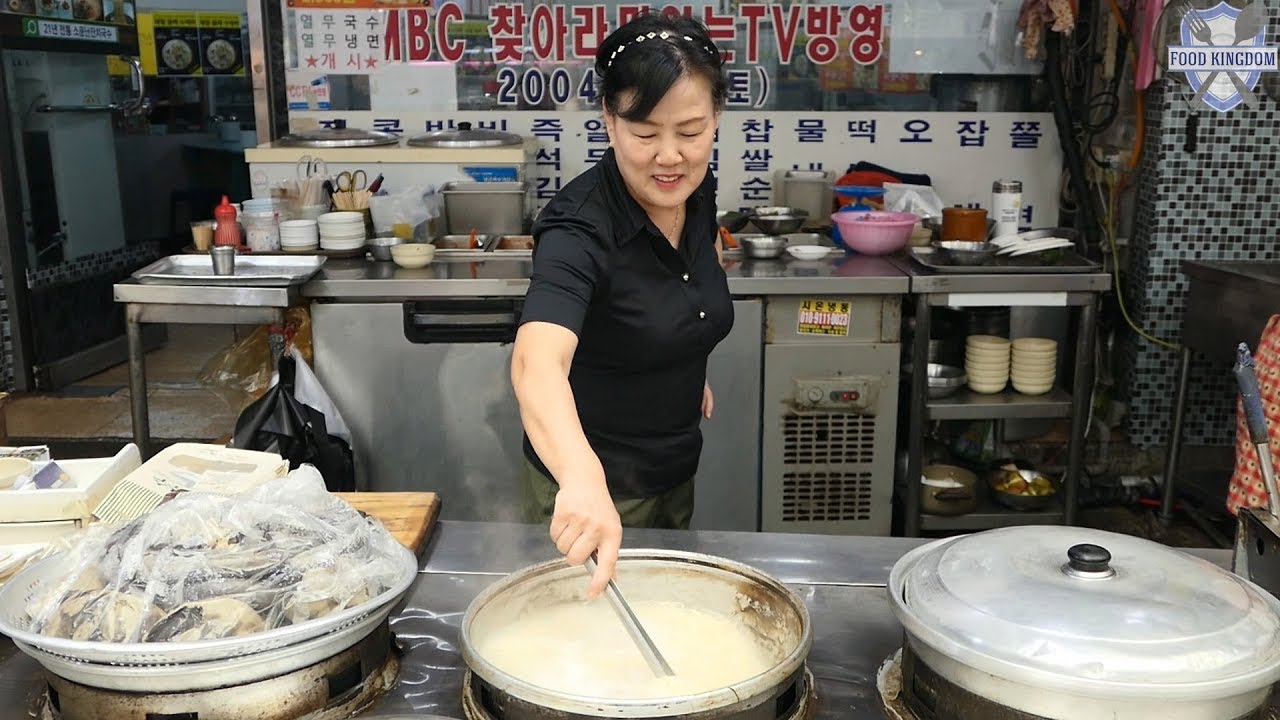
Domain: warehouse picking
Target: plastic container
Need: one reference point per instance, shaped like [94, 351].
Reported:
[875, 232]
[262, 231]
[964, 224]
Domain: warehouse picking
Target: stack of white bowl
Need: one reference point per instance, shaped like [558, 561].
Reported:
[1035, 365]
[299, 236]
[986, 362]
[341, 231]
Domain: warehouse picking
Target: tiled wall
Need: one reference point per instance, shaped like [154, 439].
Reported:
[131, 257]
[1218, 203]
[122, 260]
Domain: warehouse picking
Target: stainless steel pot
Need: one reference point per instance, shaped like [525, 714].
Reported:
[948, 490]
[775, 615]
[464, 136]
[1079, 624]
[339, 136]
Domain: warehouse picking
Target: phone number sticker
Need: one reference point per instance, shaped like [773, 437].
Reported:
[823, 317]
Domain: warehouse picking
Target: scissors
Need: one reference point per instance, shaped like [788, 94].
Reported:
[309, 167]
[352, 181]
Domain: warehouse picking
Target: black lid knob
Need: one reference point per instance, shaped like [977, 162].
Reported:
[1088, 558]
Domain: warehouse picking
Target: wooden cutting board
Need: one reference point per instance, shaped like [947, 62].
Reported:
[408, 516]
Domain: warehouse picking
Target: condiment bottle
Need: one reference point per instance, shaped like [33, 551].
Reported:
[228, 230]
[1006, 206]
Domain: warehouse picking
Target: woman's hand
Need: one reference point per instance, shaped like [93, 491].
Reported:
[708, 401]
[585, 522]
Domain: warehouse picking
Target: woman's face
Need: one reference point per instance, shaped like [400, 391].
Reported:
[664, 157]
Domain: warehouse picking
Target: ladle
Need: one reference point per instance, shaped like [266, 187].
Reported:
[657, 663]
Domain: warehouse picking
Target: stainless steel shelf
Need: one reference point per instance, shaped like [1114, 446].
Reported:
[991, 515]
[969, 405]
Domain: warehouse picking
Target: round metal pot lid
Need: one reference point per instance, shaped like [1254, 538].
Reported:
[339, 136]
[464, 136]
[1088, 611]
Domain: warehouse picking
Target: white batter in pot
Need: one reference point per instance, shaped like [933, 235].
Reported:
[583, 649]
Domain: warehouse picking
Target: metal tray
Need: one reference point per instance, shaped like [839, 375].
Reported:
[251, 270]
[22, 589]
[1071, 262]
[213, 674]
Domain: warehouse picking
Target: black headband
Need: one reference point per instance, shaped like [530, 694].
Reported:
[664, 35]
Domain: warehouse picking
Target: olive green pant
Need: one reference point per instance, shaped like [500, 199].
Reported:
[671, 510]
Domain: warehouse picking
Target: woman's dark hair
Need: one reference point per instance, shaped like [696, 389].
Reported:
[651, 53]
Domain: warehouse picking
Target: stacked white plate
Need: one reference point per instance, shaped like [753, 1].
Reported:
[1035, 365]
[299, 236]
[986, 362]
[341, 231]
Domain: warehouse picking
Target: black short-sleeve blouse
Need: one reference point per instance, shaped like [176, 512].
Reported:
[646, 316]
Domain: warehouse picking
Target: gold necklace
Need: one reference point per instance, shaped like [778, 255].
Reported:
[671, 236]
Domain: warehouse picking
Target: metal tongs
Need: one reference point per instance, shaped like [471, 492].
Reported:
[644, 643]
[1257, 548]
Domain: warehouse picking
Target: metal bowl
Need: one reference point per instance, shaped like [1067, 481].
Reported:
[943, 380]
[779, 220]
[732, 220]
[775, 615]
[380, 247]
[762, 247]
[961, 252]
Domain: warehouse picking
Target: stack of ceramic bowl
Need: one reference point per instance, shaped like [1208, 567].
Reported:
[341, 231]
[986, 362]
[300, 236]
[1035, 365]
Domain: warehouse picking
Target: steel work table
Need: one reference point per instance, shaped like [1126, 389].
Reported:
[196, 305]
[1227, 303]
[841, 579]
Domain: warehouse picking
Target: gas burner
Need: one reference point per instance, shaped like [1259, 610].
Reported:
[911, 690]
[799, 703]
[342, 686]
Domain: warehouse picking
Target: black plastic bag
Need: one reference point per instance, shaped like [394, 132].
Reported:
[279, 423]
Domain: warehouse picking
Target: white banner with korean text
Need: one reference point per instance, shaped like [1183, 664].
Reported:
[962, 153]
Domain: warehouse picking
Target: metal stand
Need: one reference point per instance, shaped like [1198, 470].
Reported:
[1079, 291]
[192, 306]
[1168, 491]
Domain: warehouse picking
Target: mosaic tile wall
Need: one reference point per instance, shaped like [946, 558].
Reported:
[128, 258]
[1218, 203]
[131, 257]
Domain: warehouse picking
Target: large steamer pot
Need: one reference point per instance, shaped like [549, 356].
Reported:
[776, 615]
[1076, 624]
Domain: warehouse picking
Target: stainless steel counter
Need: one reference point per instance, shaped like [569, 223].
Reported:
[133, 292]
[509, 276]
[841, 580]
[926, 281]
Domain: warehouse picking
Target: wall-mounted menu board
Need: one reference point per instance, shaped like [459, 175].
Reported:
[191, 44]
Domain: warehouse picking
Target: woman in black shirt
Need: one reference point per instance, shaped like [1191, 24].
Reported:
[626, 302]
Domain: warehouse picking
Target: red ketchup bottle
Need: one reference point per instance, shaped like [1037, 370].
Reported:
[227, 231]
